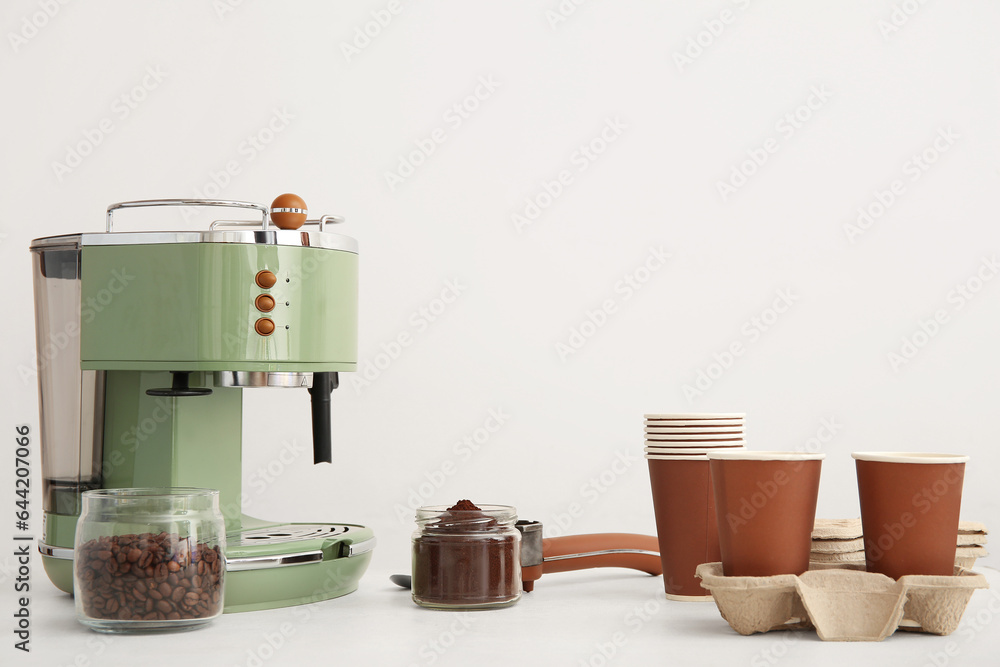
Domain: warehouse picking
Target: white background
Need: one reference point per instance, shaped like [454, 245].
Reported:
[893, 77]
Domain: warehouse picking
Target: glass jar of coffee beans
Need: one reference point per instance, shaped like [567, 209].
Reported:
[149, 560]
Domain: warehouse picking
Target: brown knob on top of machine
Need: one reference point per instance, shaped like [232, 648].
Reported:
[288, 211]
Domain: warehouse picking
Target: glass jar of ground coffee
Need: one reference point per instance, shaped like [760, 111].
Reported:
[466, 557]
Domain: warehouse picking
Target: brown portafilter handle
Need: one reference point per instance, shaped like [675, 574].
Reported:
[581, 552]
[323, 385]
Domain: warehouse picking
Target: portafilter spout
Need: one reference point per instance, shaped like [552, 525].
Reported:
[323, 385]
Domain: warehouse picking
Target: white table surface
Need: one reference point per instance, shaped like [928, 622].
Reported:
[570, 619]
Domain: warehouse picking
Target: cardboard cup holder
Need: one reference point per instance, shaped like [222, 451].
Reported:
[842, 603]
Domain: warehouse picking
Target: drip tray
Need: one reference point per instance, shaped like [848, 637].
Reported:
[294, 532]
[281, 545]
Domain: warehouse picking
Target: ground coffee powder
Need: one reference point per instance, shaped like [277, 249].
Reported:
[465, 556]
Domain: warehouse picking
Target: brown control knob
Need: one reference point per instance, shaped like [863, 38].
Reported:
[266, 279]
[289, 211]
[264, 303]
[264, 326]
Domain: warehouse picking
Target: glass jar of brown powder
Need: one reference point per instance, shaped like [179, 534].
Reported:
[466, 557]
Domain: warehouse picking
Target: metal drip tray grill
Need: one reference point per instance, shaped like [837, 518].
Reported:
[289, 533]
[295, 544]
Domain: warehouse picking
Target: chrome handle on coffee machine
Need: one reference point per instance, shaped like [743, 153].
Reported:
[265, 219]
[321, 222]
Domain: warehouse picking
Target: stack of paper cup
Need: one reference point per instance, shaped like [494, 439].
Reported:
[692, 433]
[677, 447]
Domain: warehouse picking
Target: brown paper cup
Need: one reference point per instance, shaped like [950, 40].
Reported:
[685, 522]
[910, 503]
[765, 506]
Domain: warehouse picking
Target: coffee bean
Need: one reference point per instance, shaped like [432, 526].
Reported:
[149, 577]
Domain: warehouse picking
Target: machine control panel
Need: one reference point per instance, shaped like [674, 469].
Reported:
[264, 302]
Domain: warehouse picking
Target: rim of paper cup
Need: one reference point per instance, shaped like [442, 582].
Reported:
[691, 423]
[671, 457]
[910, 457]
[687, 444]
[689, 451]
[693, 437]
[721, 444]
[753, 455]
[681, 430]
[695, 415]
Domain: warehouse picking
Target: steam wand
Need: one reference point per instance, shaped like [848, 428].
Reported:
[322, 386]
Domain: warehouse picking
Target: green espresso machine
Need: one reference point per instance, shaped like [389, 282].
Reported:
[146, 342]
